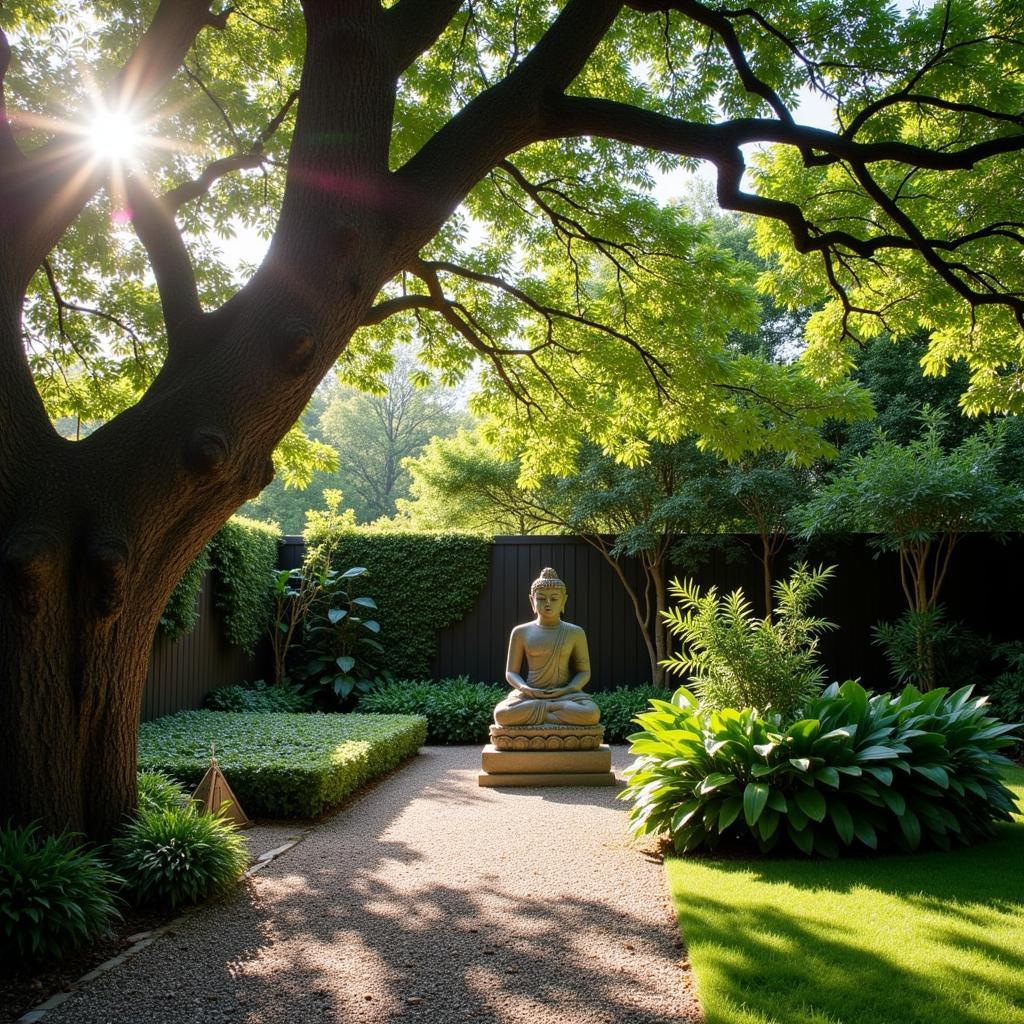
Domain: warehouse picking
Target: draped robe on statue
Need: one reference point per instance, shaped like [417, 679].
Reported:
[548, 654]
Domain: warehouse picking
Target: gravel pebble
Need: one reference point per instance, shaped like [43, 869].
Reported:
[430, 899]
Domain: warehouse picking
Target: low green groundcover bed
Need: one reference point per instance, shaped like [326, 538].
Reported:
[281, 765]
[933, 938]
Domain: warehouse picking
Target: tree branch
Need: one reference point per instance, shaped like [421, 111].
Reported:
[718, 22]
[399, 304]
[63, 305]
[573, 116]
[181, 194]
[415, 25]
[9, 151]
[153, 220]
[658, 371]
[505, 117]
[50, 188]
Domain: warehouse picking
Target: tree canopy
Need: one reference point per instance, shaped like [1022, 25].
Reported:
[473, 176]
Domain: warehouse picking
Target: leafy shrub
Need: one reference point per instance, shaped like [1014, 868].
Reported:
[738, 660]
[340, 637]
[408, 573]
[456, 710]
[176, 856]
[281, 765]
[55, 896]
[924, 649]
[258, 697]
[620, 706]
[158, 791]
[181, 614]
[1006, 691]
[856, 771]
[243, 554]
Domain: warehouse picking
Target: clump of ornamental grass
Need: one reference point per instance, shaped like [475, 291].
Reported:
[56, 895]
[177, 856]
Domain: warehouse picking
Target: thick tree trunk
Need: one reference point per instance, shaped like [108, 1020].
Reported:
[94, 534]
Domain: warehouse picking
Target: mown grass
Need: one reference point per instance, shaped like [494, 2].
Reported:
[935, 938]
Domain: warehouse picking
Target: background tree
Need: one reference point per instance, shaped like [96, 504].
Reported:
[462, 483]
[359, 138]
[374, 433]
[920, 499]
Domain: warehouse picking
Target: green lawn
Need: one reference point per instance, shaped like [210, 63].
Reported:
[936, 938]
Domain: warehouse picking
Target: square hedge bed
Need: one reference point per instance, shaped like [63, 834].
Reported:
[281, 765]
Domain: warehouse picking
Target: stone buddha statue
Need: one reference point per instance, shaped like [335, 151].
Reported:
[558, 665]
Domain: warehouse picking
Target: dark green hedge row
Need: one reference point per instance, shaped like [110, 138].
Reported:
[460, 711]
[281, 765]
[421, 583]
[181, 614]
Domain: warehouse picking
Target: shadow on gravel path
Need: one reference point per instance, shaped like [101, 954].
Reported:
[430, 900]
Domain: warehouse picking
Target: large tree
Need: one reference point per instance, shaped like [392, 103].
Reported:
[361, 135]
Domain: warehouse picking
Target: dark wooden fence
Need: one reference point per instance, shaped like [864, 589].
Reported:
[183, 671]
[981, 590]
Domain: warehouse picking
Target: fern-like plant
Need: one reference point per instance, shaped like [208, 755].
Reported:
[733, 659]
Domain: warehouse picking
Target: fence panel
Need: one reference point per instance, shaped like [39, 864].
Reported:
[183, 671]
[865, 590]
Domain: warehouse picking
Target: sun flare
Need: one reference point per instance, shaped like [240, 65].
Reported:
[114, 136]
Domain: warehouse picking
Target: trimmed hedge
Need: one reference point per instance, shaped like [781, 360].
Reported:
[460, 711]
[421, 583]
[456, 710]
[243, 554]
[856, 771]
[281, 765]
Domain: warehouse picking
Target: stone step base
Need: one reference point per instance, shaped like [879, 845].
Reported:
[531, 761]
[546, 767]
[547, 779]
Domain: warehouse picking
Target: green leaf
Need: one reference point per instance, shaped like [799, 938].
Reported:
[893, 800]
[811, 802]
[829, 776]
[802, 838]
[911, 828]
[714, 781]
[731, 807]
[841, 820]
[345, 662]
[335, 615]
[865, 832]
[755, 797]
[934, 773]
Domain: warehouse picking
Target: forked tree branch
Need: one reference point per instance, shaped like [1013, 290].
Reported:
[415, 25]
[153, 220]
[720, 144]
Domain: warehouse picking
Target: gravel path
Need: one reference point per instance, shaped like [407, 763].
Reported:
[429, 900]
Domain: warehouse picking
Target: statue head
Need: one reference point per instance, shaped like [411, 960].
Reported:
[548, 595]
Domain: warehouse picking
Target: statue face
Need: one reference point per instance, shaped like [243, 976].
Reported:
[549, 602]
